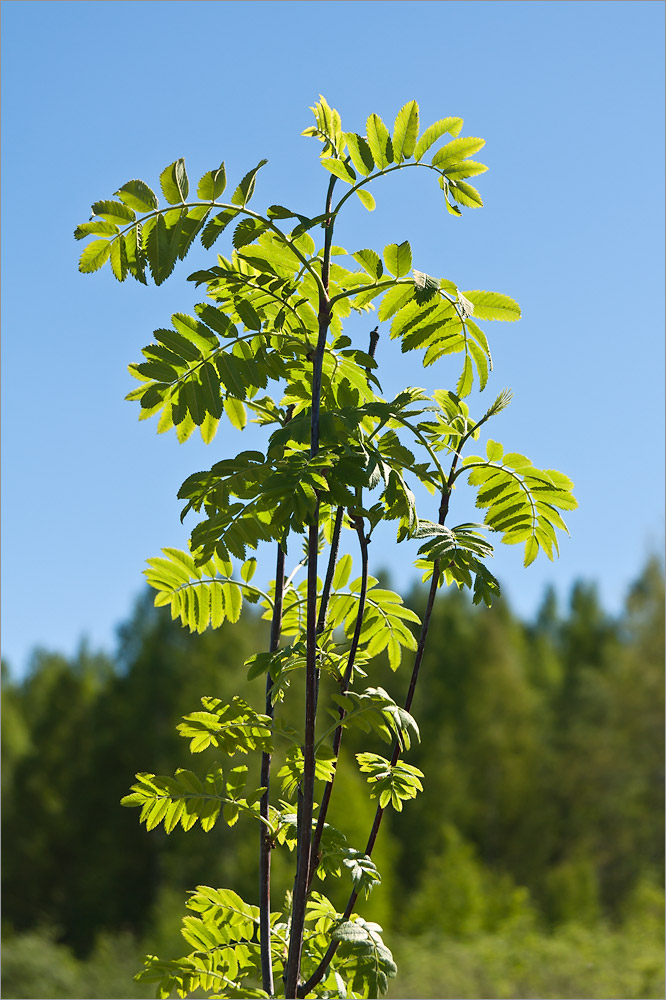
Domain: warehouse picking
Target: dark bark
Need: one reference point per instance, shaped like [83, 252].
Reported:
[265, 845]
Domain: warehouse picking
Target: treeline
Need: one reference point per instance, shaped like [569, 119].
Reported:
[542, 746]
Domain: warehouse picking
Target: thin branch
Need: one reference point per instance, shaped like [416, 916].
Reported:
[306, 799]
[322, 968]
[264, 832]
[330, 570]
[344, 686]
[382, 173]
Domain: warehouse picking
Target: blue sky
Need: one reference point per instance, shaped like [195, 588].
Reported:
[569, 97]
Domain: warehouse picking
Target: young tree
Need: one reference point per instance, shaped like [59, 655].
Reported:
[335, 458]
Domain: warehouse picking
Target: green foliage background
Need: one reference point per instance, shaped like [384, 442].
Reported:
[531, 866]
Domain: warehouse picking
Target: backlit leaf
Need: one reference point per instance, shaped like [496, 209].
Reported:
[94, 256]
[138, 196]
[340, 169]
[119, 259]
[366, 199]
[212, 184]
[360, 153]
[236, 412]
[464, 386]
[493, 305]
[114, 212]
[405, 131]
[433, 133]
[465, 194]
[398, 259]
[370, 262]
[379, 141]
[216, 226]
[457, 149]
[245, 189]
[174, 183]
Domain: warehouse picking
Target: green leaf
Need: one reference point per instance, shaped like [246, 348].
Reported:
[233, 599]
[174, 183]
[458, 149]
[212, 184]
[245, 189]
[246, 232]
[464, 386]
[359, 153]
[215, 319]
[138, 196]
[231, 375]
[494, 451]
[392, 783]
[493, 305]
[99, 228]
[248, 569]
[405, 131]
[194, 398]
[531, 550]
[398, 259]
[232, 728]
[465, 168]
[236, 412]
[216, 226]
[425, 285]
[210, 385]
[157, 246]
[134, 255]
[366, 199]
[340, 169]
[342, 572]
[481, 360]
[208, 431]
[465, 194]
[196, 332]
[114, 212]
[94, 256]
[432, 134]
[370, 262]
[119, 259]
[379, 141]
[393, 301]
[179, 344]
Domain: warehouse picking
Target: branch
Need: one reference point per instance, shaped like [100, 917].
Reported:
[306, 800]
[322, 968]
[344, 686]
[240, 210]
[264, 832]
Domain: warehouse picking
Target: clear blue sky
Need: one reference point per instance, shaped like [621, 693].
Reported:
[569, 97]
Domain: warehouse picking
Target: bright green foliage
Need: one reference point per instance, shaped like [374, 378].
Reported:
[234, 728]
[374, 711]
[336, 855]
[390, 783]
[186, 799]
[268, 344]
[223, 931]
[292, 771]
[523, 502]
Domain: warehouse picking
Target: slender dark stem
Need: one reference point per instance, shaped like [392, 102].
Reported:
[330, 569]
[337, 528]
[306, 800]
[374, 340]
[321, 969]
[264, 833]
[344, 686]
[328, 582]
